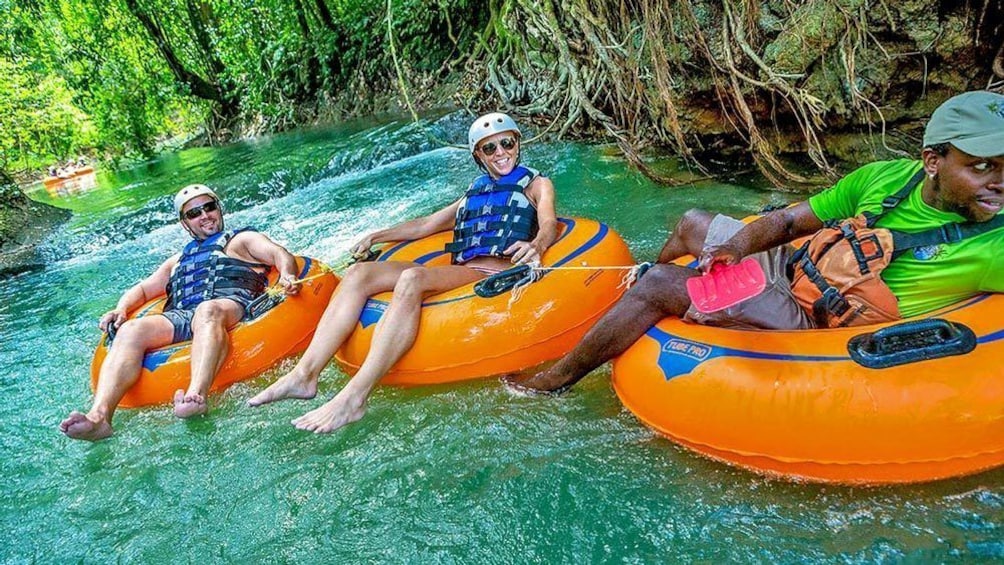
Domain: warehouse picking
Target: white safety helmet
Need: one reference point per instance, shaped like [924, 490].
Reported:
[488, 125]
[190, 192]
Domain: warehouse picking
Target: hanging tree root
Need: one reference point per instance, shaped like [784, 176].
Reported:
[648, 71]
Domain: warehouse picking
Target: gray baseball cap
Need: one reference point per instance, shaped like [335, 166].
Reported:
[972, 121]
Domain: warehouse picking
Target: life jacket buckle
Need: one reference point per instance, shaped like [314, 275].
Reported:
[834, 302]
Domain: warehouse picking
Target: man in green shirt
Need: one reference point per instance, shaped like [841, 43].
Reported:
[959, 178]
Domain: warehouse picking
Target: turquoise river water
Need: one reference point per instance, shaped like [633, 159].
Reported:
[461, 473]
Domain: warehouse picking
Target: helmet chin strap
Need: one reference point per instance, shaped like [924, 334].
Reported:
[189, 230]
[223, 224]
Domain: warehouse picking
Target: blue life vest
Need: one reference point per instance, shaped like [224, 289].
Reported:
[493, 215]
[205, 272]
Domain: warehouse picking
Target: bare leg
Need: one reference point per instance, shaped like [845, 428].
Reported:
[660, 293]
[121, 368]
[210, 345]
[361, 281]
[688, 236]
[394, 336]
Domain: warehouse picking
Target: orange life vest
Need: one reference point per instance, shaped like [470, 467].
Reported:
[837, 273]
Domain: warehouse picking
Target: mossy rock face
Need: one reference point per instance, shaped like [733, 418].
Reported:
[23, 224]
[855, 148]
[812, 30]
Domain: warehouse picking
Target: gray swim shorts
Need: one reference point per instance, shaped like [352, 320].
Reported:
[182, 319]
[775, 308]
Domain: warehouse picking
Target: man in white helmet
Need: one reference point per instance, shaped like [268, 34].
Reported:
[209, 285]
[505, 217]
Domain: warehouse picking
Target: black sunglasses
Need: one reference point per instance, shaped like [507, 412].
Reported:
[489, 148]
[208, 207]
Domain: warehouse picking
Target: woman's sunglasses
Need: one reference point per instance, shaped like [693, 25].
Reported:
[489, 148]
[208, 207]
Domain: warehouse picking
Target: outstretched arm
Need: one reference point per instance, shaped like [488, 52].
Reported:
[412, 229]
[143, 291]
[776, 228]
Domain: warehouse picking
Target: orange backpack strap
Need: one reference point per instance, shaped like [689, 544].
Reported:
[836, 276]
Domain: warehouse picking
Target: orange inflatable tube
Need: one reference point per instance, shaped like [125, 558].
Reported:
[256, 343]
[464, 336]
[804, 405]
[51, 181]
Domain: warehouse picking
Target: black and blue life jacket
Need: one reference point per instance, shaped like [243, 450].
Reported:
[493, 215]
[205, 272]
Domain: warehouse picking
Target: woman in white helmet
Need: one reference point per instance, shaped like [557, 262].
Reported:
[505, 217]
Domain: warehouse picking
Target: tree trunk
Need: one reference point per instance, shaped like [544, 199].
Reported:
[197, 15]
[325, 15]
[311, 81]
[301, 19]
[197, 85]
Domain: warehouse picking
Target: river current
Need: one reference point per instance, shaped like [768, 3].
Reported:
[456, 473]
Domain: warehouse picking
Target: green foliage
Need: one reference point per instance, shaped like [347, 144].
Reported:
[81, 80]
[39, 122]
[117, 76]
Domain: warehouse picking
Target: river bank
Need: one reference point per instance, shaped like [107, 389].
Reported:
[23, 225]
[783, 87]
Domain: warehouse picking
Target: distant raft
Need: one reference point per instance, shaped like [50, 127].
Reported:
[273, 329]
[907, 402]
[464, 336]
[80, 172]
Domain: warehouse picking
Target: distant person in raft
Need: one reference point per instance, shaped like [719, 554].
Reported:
[505, 217]
[208, 286]
[893, 239]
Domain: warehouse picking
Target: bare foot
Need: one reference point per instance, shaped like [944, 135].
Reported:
[541, 384]
[291, 385]
[333, 414]
[79, 426]
[188, 405]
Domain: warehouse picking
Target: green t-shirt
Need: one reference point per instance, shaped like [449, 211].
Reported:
[926, 278]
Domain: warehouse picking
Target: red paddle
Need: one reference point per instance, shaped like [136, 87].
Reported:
[726, 286]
